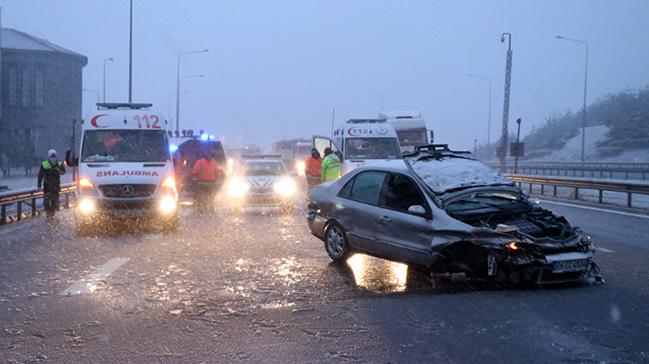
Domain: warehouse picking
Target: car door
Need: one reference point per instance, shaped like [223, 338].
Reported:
[322, 142]
[405, 236]
[357, 209]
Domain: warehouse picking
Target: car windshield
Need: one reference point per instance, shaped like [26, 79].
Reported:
[372, 148]
[124, 146]
[412, 136]
[268, 168]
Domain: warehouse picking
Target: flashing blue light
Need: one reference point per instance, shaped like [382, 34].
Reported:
[211, 137]
[204, 137]
[173, 148]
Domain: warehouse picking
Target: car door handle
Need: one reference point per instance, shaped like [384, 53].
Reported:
[384, 219]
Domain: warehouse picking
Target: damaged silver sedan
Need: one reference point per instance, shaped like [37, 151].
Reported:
[448, 213]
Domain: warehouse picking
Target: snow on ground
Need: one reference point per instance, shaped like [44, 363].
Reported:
[571, 151]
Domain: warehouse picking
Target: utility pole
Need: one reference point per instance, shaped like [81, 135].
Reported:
[333, 116]
[518, 138]
[130, 56]
[104, 87]
[488, 116]
[475, 148]
[508, 79]
[583, 114]
[178, 83]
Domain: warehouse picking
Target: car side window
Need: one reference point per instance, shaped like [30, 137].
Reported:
[366, 186]
[347, 189]
[401, 192]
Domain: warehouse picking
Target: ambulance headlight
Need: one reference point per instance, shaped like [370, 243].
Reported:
[168, 204]
[285, 187]
[237, 187]
[86, 206]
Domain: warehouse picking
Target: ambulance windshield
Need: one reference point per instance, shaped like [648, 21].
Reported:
[372, 148]
[124, 146]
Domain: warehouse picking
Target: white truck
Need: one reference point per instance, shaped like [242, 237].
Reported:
[125, 168]
[361, 142]
[410, 128]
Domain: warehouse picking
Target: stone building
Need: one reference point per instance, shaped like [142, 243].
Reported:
[40, 106]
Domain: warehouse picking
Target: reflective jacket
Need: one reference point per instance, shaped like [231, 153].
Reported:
[313, 167]
[330, 167]
[49, 176]
[206, 170]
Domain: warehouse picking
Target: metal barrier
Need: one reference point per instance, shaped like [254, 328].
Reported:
[29, 199]
[621, 170]
[630, 188]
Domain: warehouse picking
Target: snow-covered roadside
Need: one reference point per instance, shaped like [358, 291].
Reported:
[19, 183]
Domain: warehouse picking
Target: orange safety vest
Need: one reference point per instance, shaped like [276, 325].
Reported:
[206, 170]
[313, 167]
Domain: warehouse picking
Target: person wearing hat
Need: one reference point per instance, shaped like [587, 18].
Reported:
[313, 169]
[49, 180]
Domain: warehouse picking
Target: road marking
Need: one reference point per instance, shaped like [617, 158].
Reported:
[596, 209]
[88, 284]
[603, 249]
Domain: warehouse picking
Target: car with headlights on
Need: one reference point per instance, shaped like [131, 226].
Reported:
[444, 211]
[262, 181]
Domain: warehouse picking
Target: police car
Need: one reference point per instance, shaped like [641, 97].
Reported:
[262, 181]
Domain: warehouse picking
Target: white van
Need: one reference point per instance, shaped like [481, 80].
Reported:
[125, 168]
[410, 128]
[361, 142]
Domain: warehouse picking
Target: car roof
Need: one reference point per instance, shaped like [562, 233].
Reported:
[247, 161]
[396, 165]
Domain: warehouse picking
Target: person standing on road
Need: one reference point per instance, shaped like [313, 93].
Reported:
[208, 177]
[330, 166]
[49, 180]
[313, 169]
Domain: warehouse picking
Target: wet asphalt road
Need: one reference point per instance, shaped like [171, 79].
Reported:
[259, 288]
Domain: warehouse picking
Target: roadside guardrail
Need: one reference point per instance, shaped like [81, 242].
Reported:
[577, 184]
[16, 206]
[611, 170]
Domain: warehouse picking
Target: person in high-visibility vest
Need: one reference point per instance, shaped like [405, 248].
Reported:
[208, 176]
[330, 165]
[49, 179]
[313, 169]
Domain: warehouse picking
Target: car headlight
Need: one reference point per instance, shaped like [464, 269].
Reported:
[168, 204]
[86, 206]
[237, 187]
[300, 166]
[285, 187]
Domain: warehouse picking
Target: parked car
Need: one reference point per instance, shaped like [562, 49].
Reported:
[447, 212]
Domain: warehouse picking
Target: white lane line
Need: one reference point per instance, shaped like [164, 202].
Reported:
[603, 249]
[89, 283]
[596, 209]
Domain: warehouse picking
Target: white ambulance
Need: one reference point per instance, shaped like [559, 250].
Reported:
[361, 142]
[125, 168]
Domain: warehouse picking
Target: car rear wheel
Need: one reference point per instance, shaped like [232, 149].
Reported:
[336, 243]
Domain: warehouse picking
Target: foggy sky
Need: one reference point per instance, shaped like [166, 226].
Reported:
[276, 68]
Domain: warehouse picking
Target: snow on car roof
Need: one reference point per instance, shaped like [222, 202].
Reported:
[452, 172]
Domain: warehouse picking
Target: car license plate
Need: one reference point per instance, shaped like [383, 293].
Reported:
[570, 266]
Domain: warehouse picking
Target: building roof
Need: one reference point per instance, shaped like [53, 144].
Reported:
[15, 39]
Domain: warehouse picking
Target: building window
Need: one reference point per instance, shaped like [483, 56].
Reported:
[13, 87]
[27, 89]
[39, 100]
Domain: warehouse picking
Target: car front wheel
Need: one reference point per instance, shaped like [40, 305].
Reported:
[336, 243]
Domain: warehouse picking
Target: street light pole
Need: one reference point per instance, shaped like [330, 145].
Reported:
[104, 87]
[508, 81]
[92, 91]
[583, 114]
[178, 98]
[489, 116]
[178, 83]
[130, 55]
[518, 138]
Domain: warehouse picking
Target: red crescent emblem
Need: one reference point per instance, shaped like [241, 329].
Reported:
[93, 121]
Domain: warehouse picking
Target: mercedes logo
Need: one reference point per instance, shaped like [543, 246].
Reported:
[127, 190]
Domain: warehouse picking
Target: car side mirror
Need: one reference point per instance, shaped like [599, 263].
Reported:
[70, 159]
[417, 210]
